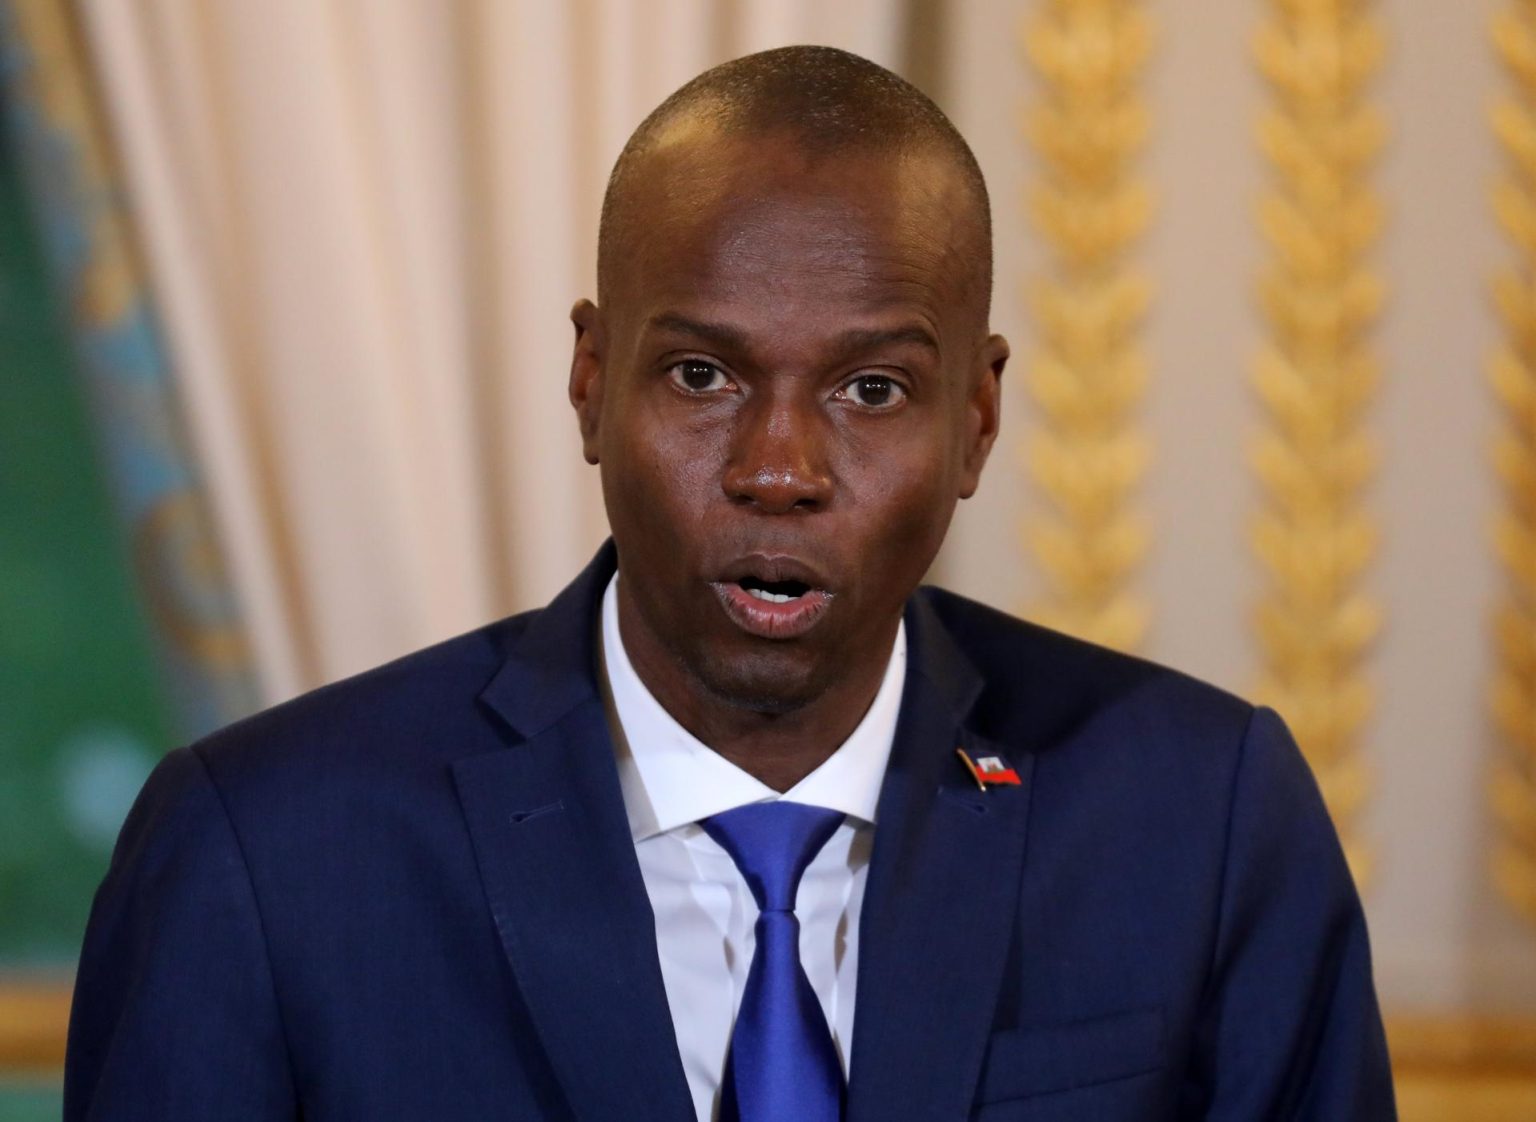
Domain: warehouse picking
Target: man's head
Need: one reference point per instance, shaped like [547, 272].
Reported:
[789, 382]
[828, 102]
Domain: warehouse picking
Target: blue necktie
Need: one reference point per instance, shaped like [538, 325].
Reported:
[782, 1066]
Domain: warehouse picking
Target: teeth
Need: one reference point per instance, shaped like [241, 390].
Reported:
[771, 597]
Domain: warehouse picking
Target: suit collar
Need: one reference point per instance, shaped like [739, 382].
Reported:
[950, 676]
[552, 666]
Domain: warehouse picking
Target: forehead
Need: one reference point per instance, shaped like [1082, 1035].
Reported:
[712, 218]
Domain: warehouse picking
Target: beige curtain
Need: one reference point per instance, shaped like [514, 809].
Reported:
[367, 220]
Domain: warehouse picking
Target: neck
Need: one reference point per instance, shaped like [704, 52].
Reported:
[780, 749]
[776, 747]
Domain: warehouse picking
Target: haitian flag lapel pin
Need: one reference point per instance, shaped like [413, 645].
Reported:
[989, 771]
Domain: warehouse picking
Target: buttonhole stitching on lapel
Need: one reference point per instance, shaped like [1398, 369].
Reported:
[518, 817]
[967, 799]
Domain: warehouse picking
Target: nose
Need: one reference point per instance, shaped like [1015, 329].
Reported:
[778, 461]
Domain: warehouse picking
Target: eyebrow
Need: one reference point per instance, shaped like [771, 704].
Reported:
[725, 335]
[720, 334]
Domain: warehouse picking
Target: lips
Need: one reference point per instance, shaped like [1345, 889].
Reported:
[773, 597]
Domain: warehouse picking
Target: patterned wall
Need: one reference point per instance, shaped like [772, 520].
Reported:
[1089, 451]
[1316, 378]
[1512, 369]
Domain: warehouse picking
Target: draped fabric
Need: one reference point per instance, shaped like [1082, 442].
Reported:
[368, 222]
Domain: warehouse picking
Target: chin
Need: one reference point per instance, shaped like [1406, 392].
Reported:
[770, 683]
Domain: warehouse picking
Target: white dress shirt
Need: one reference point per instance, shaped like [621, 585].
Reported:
[705, 913]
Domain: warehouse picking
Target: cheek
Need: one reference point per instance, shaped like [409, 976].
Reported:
[911, 499]
[913, 466]
[659, 475]
[921, 519]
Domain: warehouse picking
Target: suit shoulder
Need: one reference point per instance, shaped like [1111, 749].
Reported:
[1039, 678]
[406, 705]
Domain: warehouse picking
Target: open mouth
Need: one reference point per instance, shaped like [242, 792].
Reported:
[779, 608]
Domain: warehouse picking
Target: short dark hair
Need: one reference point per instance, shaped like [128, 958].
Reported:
[828, 100]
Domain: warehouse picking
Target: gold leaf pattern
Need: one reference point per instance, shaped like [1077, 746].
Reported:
[1089, 455]
[1512, 376]
[1316, 380]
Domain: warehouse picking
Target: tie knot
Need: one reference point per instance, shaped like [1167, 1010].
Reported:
[772, 843]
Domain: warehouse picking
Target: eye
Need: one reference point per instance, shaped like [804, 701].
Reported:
[694, 375]
[874, 391]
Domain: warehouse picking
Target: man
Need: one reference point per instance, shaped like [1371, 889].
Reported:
[545, 870]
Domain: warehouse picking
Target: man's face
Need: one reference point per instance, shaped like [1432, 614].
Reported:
[788, 388]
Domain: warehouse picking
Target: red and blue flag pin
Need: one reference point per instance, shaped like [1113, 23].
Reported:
[989, 771]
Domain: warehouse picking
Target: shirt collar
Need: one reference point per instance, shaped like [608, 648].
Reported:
[670, 778]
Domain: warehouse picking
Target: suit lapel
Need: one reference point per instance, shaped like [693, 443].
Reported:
[552, 841]
[941, 899]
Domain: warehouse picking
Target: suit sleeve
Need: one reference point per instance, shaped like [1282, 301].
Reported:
[1290, 1026]
[175, 1015]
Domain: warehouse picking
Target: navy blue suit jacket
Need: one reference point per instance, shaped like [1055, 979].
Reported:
[413, 895]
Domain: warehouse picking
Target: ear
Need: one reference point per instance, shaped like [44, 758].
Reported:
[586, 388]
[983, 411]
